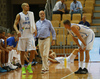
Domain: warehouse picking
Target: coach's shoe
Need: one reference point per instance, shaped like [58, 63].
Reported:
[23, 70]
[29, 69]
[78, 71]
[2, 70]
[84, 71]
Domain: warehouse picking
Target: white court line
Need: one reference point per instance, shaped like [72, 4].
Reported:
[68, 75]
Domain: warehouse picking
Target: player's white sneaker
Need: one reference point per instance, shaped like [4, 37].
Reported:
[13, 67]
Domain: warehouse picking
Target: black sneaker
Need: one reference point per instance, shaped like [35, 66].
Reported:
[84, 71]
[7, 68]
[78, 71]
[19, 65]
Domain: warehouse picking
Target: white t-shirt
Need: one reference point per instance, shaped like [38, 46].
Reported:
[58, 6]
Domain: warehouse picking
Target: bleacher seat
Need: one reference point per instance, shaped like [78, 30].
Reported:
[70, 40]
[68, 4]
[55, 23]
[89, 4]
[88, 10]
[62, 31]
[88, 17]
[66, 17]
[56, 17]
[61, 39]
[75, 21]
[76, 17]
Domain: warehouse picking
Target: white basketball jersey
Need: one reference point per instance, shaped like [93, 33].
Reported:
[83, 30]
[24, 25]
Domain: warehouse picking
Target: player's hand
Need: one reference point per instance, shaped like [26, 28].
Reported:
[63, 11]
[80, 48]
[19, 34]
[84, 48]
[53, 42]
[72, 10]
[77, 8]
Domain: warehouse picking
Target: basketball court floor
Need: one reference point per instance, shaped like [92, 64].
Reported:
[56, 71]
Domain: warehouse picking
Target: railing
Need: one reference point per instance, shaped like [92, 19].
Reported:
[64, 43]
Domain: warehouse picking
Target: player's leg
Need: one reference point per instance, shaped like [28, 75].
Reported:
[79, 71]
[21, 47]
[72, 56]
[31, 47]
[89, 42]
[1, 69]
[10, 59]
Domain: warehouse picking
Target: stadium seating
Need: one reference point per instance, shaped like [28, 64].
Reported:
[66, 17]
[76, 17]
[70, 40]
[88, 17]
[56, 17]
[55, 23]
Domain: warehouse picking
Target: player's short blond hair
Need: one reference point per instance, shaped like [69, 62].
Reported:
[23, 4]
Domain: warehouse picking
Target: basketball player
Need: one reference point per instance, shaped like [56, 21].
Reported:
[86, 36]
[70, 59]
[25, 19]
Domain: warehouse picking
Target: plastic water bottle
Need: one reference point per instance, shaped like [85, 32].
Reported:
[65, 62]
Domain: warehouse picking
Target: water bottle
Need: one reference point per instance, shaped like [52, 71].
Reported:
[65, 62]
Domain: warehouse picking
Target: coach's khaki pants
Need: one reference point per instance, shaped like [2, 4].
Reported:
[44, 46]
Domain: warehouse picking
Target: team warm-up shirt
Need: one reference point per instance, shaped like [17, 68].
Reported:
[11, 42]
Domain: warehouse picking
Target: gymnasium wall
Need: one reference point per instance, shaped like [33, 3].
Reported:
[9, 9]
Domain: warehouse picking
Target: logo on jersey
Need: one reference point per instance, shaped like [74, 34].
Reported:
[26, 20]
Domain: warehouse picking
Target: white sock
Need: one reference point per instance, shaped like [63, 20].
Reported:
[81, 64]
[6, 64]
[29, 63]
[72, 56]
[22, 66]
[86, 65]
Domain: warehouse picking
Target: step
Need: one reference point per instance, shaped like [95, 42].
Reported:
[96, 17]
[97, 8]
[97, 5]
[97, 2]
[95, 21]
[95, 24]
[96, 14]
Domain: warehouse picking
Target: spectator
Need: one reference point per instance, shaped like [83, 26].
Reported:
[60, 8]
[84, 22]
[75, 7]
[14, 54]
[8, 35]
[1, 52]
[4, 53]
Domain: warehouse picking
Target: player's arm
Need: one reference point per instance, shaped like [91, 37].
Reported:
[53, 60]
[75, 29]
[16, 23]
[76, 40]
[35, 31]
